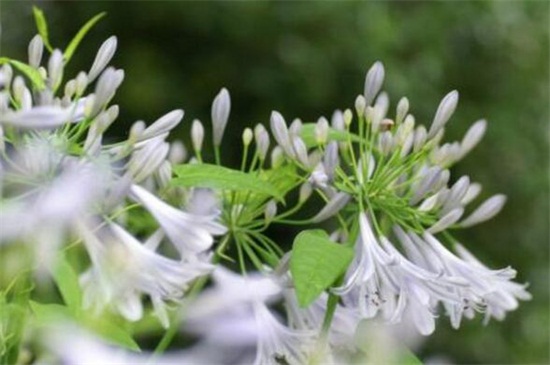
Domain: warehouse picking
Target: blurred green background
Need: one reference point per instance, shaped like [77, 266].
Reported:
[306, 59]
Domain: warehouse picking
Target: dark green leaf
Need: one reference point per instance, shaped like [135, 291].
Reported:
[73, 44]
[316, 262]
[222, 178]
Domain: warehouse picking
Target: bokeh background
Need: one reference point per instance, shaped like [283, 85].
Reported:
[306, 59]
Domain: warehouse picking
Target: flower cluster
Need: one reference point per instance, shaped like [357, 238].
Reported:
[142, 226]
[61, 182]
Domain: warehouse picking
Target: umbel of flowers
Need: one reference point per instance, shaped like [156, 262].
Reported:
[128, 228]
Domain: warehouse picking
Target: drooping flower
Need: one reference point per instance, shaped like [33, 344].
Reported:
[190, 233]
[124, 269]
[382, 280]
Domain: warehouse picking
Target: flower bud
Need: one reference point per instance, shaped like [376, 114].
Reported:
[360, 105]
[382, 102]
[262, 141]
[485, 211]
[177, 153]
[473, 136]
[373, 82]
[321, 131]
[197, 135]
[81, 83]
[102, 58]
[402, 110]
[36, 48]
[300, 150]
[280, 133]
[335, 204]
[55, 69]
[444, 112]
[220, 115]
[270, 210]
[473, 191]
[446, 221]
[305, 192]
[247, 136]
[277, 157]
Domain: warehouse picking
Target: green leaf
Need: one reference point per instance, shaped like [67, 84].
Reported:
[73, 44]
[316, 263]
[222, 178]
[308, 135]
[42, 26]
[66, 279]
[114, 334]
[283, 178]
[50, 313]
[29, 71]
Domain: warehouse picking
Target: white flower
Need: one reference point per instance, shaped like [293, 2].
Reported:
[190, 233]
[124, 269]
[233, 316]
[382, 280]
[488, 291]
[231, 290]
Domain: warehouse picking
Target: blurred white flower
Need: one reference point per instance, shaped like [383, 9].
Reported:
[190, 233]
[124, 269]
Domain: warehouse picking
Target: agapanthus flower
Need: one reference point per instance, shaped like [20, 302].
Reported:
[124, 269]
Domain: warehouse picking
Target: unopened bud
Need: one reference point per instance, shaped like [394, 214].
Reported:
[473, 136]
[305, 192]
[262, 141]
[373, 82]
[197, 135]
[81, 83]
[55, 69]
[220, 115]
[321, 131]
[295, 128]
[36, 48]
[270, 210]
[247, 136]
[277, 157]
[383, 103]
[103, 57]
[360, 105]
[338, 201]
[280, 132]
[485, 211]
[444, 112]
[177, 153]
[446, 221]
[136, 130]
[402, 110]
